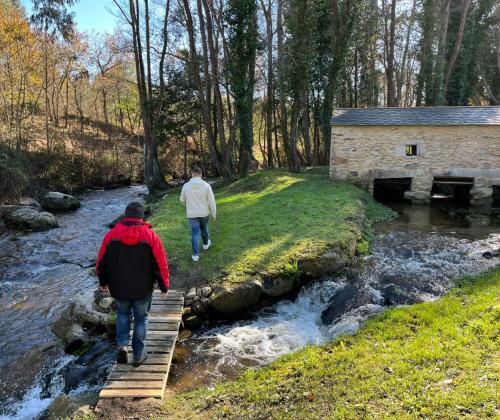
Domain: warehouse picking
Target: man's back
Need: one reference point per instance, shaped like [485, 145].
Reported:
[131, 259]
[199, 198]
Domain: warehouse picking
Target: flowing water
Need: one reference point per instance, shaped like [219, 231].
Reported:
[414, 258]
[39, 272]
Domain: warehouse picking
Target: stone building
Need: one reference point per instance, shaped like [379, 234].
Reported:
[419, 148]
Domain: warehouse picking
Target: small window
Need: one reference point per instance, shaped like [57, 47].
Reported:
[411, 150]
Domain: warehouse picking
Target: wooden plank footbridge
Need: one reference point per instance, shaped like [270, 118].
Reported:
[150, 379]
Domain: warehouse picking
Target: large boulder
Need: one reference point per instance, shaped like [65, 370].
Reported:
[59, 201]
[394, 294]
[229, 299]
[75, 338]
[75, 407]
[278, 286]
[345, 300]
[30, 202]
[330, 262]
[82, 311]
[30, 218]
[7, 209]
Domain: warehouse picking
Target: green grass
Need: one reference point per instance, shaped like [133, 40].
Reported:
[432, 360]
[268, 222]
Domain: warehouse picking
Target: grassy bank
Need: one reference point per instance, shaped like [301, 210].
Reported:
[268, 222]
[434, 360]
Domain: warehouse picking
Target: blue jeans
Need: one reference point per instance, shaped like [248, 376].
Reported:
[124, 309]
[198, 225]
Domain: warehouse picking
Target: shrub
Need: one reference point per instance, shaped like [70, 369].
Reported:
[13, 178]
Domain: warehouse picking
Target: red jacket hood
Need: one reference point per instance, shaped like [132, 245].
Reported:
[131, 234]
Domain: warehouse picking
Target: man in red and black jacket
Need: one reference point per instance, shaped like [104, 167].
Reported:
[130, 261]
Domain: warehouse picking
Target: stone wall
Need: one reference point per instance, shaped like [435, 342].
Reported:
[363, 153]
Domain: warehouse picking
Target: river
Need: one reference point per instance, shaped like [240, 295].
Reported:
[39, 272]
[414, 258]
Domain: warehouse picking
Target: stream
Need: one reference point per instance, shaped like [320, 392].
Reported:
[414, 258]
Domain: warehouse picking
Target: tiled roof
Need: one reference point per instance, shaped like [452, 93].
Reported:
[446, 115]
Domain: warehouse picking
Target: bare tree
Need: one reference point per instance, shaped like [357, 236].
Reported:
[151, 103]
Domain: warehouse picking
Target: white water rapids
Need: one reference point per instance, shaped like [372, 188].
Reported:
[424, 264]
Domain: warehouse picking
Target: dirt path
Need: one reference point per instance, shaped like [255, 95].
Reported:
[184, 281]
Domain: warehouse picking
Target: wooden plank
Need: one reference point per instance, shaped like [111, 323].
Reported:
[157, 292]
[171, 301]
[135, 376]
[169, 308]
[163, 326]
[162, 334]
[134, 385]
[160, 342]
[165, 318]
[158, 348]
[177, 298]
[174, 316]
[158, 359]
[131, 393]
[153, 359]
[156, 343]
[163, 339]
[160, 311]
[143, 368]
[166, 303]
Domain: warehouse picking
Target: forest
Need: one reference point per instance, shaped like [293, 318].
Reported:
[230, 85]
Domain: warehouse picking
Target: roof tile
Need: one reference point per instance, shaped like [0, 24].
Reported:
[446, 115]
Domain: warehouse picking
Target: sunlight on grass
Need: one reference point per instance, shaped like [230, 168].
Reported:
[267, 222]
[433, 360]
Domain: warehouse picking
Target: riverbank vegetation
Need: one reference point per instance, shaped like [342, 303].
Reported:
[268, 223]
[434, 360]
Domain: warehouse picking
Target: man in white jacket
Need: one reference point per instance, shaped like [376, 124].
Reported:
[200, 204]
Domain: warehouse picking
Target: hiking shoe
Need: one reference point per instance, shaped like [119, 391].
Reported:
[141, 360]
[121, 356]
[205, 247]
[195, 258]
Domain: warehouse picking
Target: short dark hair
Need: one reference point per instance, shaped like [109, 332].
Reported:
[135, 210]
[197, 170]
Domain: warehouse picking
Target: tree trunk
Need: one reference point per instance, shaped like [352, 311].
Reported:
[269, 93]
[195, 72]
[306, 128]
[46, 82]
[225, 164]
[401, 76]
[289, 144]
[456, 47]
[437, 90]
[389, 71]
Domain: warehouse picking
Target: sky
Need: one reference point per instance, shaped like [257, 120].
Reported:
[90, 15]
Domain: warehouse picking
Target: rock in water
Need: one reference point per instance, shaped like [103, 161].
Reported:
[75, 338]
[30, 218]
[232, 299]
[30, 202]
[7, 209]
[59, 201]
[343, 301]
[75, 407]
[108, 304]
[396, 295]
